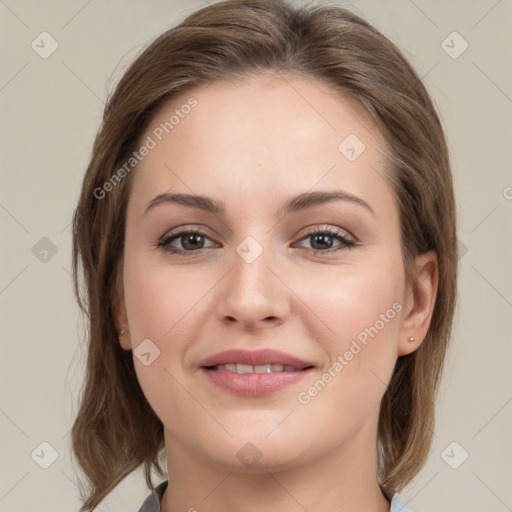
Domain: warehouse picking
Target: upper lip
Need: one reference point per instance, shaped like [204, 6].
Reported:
[254, 358]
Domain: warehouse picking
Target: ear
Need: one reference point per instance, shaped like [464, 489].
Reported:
[419, 303]
[120, 316]
[122, 327]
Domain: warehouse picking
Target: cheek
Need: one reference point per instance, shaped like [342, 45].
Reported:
[358, 315]
[161, 299]
[359, 301]
[162, 304]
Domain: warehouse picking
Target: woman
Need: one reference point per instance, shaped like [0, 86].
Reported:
[266, 234]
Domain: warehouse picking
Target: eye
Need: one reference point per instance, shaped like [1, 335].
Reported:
[191, 240]
[322, 240]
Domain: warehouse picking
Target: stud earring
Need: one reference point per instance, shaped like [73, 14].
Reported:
[411, 340]
[122, 332]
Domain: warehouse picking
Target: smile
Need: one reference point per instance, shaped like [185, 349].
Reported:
[248, 368]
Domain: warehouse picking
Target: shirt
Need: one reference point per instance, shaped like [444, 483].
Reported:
[152, 502]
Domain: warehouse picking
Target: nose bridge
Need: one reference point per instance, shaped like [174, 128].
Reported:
[253, 293]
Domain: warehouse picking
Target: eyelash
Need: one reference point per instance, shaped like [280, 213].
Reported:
[164, 242]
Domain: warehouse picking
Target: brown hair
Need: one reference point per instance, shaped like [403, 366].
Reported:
[116, 431]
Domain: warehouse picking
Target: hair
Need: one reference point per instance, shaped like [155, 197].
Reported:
[116, 431]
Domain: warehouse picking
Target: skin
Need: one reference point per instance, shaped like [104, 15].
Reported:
[252, 146]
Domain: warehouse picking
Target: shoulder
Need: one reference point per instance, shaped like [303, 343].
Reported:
[398, 504]
[152, 502]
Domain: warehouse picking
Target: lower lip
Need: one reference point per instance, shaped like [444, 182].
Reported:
[254, 384]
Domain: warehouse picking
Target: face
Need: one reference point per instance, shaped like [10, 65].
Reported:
[308, 295]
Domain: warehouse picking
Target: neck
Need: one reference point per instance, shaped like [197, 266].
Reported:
[343, 480]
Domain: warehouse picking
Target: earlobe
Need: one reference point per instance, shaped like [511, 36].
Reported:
[123, 333]
[124, 339]
[421, 297]
[121, 321]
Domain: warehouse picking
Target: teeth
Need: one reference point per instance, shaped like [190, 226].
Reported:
[248, 368]
[244, 368]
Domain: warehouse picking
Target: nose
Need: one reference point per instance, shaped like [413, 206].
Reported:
[253, 294]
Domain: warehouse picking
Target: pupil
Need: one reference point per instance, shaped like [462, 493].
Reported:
[324, 240]
[194, 239]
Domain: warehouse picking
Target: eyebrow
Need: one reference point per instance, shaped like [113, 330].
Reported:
[297, 203]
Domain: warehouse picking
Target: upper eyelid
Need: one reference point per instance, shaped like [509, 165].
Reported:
[308, 231]
[328, 228]
[182, 230]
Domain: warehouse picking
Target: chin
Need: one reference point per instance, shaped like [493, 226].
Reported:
[254, 454]
[251, 459]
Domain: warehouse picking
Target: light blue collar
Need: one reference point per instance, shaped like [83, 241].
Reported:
[398, 504]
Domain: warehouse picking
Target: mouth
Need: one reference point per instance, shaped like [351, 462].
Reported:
[254, 361]
[261, 368]
[254, 373]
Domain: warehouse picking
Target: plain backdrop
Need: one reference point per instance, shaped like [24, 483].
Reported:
[50, 111]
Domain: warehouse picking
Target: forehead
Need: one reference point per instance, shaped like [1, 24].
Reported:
[267, 135]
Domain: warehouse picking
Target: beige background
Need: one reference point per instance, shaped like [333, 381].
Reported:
[50, 111]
